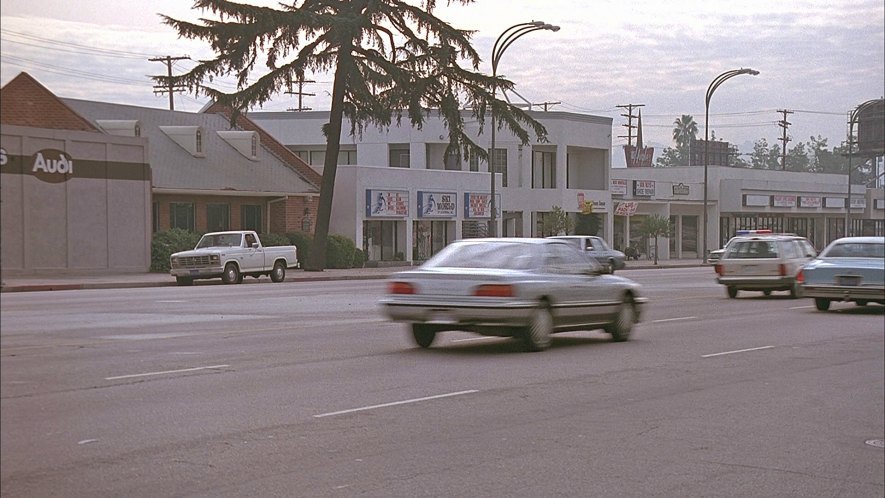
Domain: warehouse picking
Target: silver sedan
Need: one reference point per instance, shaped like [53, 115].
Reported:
[512, 287]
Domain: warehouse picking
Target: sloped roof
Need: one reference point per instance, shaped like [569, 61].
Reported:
[220, 168]
[25, 102]
[270, 142]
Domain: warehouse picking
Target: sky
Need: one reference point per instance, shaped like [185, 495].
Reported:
[817, 58]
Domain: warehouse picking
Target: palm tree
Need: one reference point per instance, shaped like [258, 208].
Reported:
[390, 60]
[656, 226]
[685, 130]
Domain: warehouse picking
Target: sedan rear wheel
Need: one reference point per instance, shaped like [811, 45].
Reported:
[821, 303]
[795, 291]
[423, 334]
[537, 334]
[766, 292]
[861, 302]
[622, 326]
[732, 292]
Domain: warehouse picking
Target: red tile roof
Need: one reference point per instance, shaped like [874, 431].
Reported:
[25, 102]
[309, 174]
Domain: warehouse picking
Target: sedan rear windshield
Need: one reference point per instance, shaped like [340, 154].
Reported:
[504, 255]
[751, 249]
[856, 250]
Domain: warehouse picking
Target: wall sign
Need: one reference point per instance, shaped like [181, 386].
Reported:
[626, 208]
[387, 203]
[618, 187]
[809, 201]
[681, 189]
[757, 200]
[783, 201]
[643, 188]
[480, 205]
[834, 202]
[437, 204]
[52, 165]
[858, 203]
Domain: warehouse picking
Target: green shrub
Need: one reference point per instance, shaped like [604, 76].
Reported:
[302, 241]
[359, 258]
[339, 252]
[274, 239]
[164, 244]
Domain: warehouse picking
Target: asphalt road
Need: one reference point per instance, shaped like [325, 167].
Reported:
[302, 389]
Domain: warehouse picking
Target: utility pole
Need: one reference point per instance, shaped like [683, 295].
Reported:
[169, 87]
[784, 124]
[629, 124]
[545, 104]
[300, 94]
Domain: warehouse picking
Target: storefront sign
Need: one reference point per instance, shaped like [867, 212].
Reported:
[387, 203]
[639, 157]
[480, 205]
[834, 202]
[809, 202]
[626, 208]
[643, 188]
[757, 200]
[858, 203]
[783, 201]
[3, 158]
[618, 187]
[437, 204]
[681, 189]
[52, 166]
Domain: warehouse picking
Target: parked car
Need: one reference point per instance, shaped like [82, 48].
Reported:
[232, 255]
[764, 263]
[849, 269]
[598, 249]
[527, 288]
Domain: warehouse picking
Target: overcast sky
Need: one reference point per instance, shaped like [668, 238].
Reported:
[817, 58]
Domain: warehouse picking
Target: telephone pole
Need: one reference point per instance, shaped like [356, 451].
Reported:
[629, 124]
[300, 94]
[784, 124]
[545, 104]
[169, 87]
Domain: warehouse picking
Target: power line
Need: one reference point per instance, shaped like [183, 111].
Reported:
[97, 51]
[25, 62]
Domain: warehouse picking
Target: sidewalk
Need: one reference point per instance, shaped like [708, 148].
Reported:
[131, 280]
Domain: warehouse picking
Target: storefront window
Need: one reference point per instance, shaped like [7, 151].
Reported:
[689, 235]
[380, 241]
[430, 237]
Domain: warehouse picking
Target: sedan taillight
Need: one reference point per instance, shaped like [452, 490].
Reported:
[782, 270]
[800, 277]
[718, 269]
[494, 290]
[400, 288]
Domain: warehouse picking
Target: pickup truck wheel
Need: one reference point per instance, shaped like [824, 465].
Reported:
[622, 326]
[536, 335]
[184, 281]
[231, 274]
[423, 334]
[732, 291]
[821, 303]
[278, 274]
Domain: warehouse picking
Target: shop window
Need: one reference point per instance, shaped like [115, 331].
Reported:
[181, 215]
[251, 217]
[217, 217]
[399, 156]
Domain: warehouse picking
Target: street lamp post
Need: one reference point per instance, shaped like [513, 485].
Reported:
[505, 40]
[712, 88]
[852, 118]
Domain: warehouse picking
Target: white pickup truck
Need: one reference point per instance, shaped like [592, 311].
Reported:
[231, 256]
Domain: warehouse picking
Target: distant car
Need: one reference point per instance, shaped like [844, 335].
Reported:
[598, 249]
[526, 288]
[848, 269]
[764, 263]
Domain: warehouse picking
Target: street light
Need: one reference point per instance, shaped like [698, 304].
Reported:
[712, 88]
[505, 40]
[852, 118]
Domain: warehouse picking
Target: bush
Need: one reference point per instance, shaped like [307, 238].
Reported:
[359, 258]
[274, 239]
[339, 252]
[164, 244]
[302, 241]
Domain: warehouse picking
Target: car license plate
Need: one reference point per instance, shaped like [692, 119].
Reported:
[848, 280]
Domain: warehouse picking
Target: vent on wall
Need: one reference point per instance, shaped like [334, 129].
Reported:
[246, 142]
[120, 127]
[190, 138]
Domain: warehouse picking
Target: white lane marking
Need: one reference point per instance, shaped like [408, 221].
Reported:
[211, 367]
[395, 403]
[801, 307]
[165, 301]
[736, 351]
[674, 319]
[473, 339]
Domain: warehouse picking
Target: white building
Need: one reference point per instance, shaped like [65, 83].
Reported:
[398, 196]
